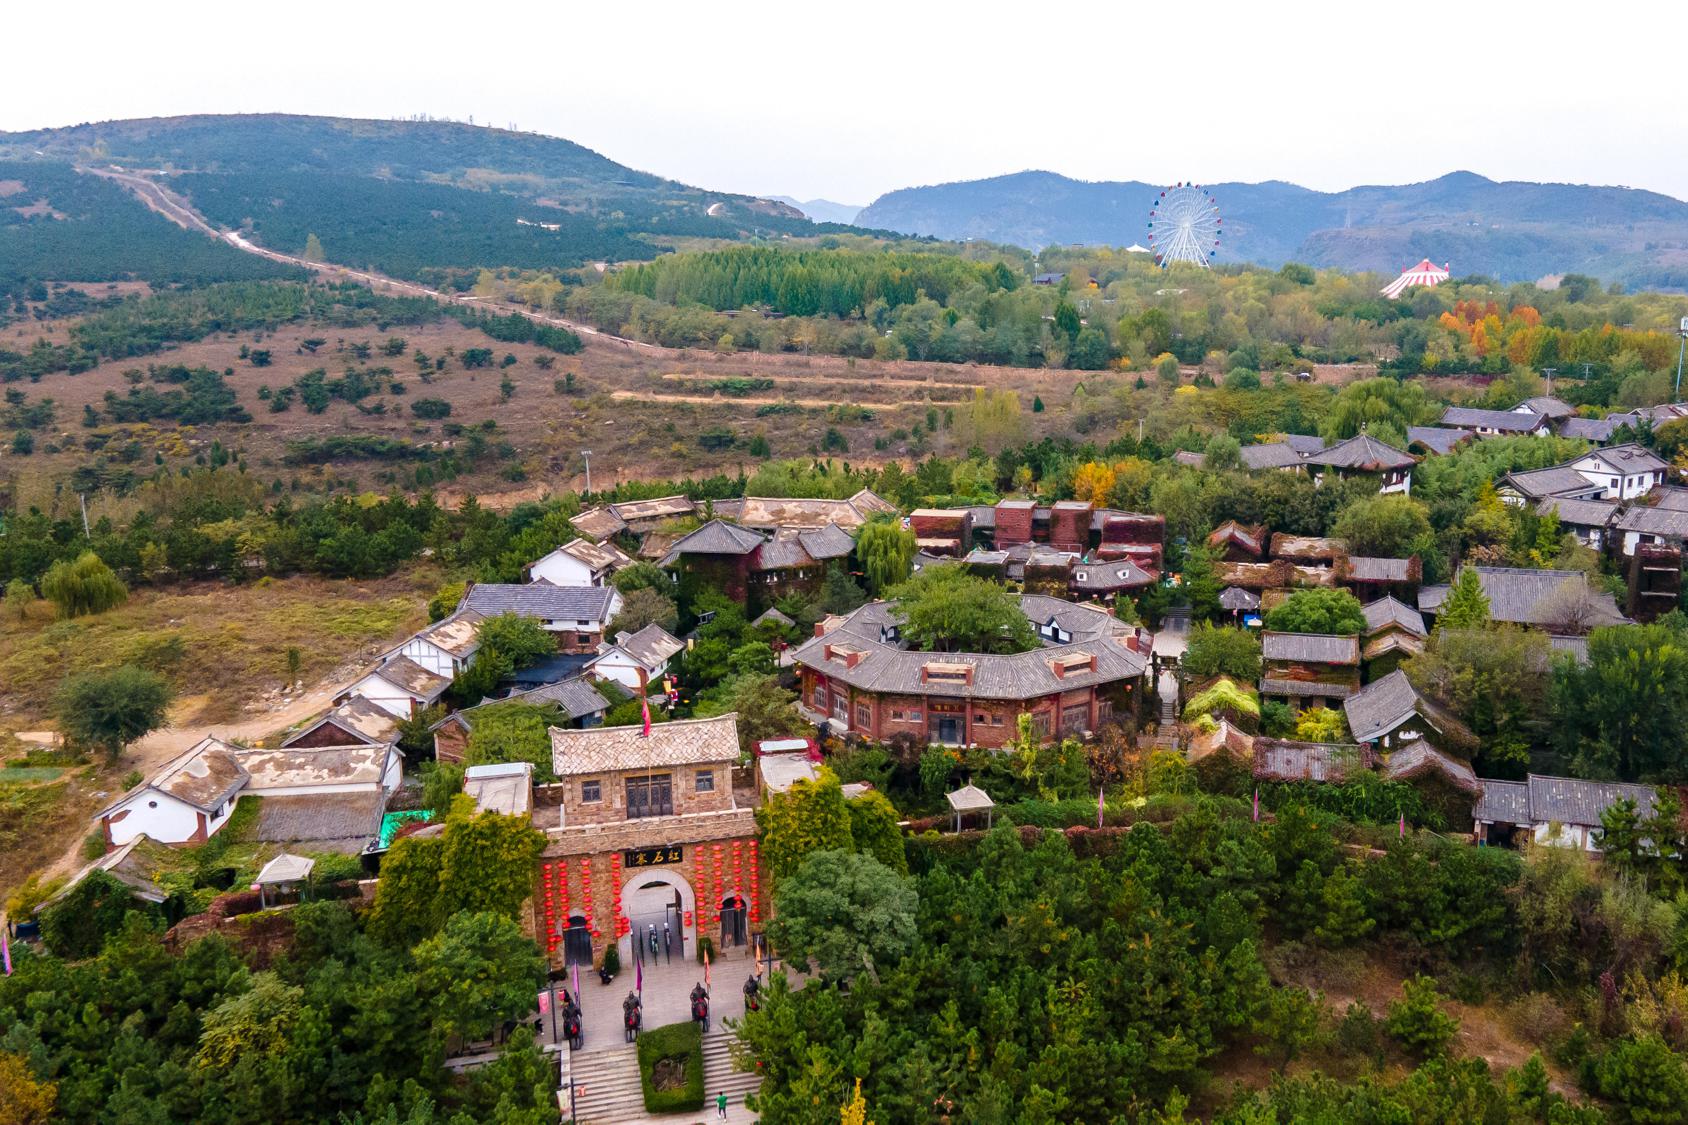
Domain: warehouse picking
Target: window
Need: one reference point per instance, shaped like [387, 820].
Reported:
[650, 796]
[583, 638]
[864, 716]
[591, 791]
[705, 781]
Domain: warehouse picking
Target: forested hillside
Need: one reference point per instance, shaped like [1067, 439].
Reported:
[422, 199]
[58, 225]
[1514, 231]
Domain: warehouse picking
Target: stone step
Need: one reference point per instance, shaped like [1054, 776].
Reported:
[613, 1095]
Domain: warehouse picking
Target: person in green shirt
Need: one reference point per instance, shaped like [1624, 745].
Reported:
[721, 1105]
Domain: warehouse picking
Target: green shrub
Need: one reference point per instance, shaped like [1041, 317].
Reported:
[1417, 1022]
[612, 959]
[681, 1041]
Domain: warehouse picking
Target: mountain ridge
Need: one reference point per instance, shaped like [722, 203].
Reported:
[1514, 230]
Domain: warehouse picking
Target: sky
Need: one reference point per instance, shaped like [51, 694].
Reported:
[846, 102]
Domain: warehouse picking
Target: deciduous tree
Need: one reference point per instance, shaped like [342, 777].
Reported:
[109, 710]
[844, 913]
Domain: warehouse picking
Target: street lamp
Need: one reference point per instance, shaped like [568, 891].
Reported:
[587, 453]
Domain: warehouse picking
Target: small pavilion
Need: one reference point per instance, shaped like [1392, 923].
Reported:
[283, 875]
[968, 801]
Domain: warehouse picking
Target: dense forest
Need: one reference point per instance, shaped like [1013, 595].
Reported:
[1113, 309]
[59, 225]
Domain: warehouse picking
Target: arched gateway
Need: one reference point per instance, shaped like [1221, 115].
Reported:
[654, 899]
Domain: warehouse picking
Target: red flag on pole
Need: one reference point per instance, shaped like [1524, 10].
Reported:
[1099, 793]
[1403, 834]
[645, 702]
[1257, 805]
[638, 970]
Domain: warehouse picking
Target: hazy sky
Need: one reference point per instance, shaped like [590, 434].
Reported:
[850, 100]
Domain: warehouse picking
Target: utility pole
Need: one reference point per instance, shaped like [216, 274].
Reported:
[1547, 373]
[587, 453]
[83, 496]
[1682, 331]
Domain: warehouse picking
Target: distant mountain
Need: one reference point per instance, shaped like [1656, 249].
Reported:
[1513, 231]
[410, 197]
[823, 210]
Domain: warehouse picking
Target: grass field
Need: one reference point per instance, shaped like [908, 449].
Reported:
[641, 411]
[222, 646]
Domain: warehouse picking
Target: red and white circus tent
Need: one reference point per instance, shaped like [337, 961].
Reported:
[1422, 274]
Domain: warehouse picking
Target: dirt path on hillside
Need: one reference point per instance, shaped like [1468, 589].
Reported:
[754, 400]
[179, 211]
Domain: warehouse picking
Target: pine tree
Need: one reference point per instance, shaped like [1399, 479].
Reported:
[313, 249]
[1466, 606]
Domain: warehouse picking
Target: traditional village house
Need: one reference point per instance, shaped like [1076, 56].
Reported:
[1277, 759]
[1560, 601]
[1440, 440]
[579, 562]
[1553, 811]
[1617, 472]
[399, 686]
[1272, 455]
[1589, 520]
[1236, 542]
[1373, 578]
[631, 655]
[352, 721]
[1445, 783]
[1309, 669]
[1497, 423]
[1394, 632]
[1364, 456]
[576, 615]
[1390, 713]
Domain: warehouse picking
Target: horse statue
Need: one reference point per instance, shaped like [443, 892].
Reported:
[752, 993]
[572, 1025]
[700, 1006]
[632, 1016]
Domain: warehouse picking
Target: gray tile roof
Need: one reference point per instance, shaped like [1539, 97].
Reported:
[1671, 498]
[782, 552]
[1578, 513]
[1502, 802]
[1191, 458]
[1381, 706]
[885, 668]
[1569, 800]
[1364, 453]
[829, 542]
[540, 600]
[1589, 429]
[1310, 648]
[1663, 522]
[1548, 406]
[1386, 611]
[1576, 646]
[1520, 596]
[1503, 421]
[1272, 455]
[1305, 443]
[1629, 458]
[577, 697]
[1437, 439]
[1233, 597]
[1555, 480]
[717, 537]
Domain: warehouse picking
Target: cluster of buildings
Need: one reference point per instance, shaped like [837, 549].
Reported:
[859, 679]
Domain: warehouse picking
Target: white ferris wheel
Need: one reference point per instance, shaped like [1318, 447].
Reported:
[1184, 226]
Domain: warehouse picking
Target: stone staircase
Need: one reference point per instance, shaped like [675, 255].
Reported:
[608, 1091]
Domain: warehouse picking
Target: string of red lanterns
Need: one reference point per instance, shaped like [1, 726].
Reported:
[755, 885]
[619, 922]
[550, 913]
[586, 896]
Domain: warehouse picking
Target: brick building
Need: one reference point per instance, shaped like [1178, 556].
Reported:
[858, 678]
[642, 832]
